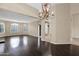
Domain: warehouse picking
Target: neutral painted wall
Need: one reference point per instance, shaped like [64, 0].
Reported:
[52, 29]
[59, 25]
[74, 8]
[75, 28]
[75, 23]
[63, 24]
[33, 28]
[8, 31]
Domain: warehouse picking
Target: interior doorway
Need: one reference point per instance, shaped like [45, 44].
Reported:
[39, 35]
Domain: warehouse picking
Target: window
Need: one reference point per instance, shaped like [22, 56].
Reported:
[2, 27]
[25, 27]
[14, 27]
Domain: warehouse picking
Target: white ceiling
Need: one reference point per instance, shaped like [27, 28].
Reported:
[35, 5]
[7, 12]
[15, 16]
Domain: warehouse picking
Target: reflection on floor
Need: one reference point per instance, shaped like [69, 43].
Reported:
[22, 46]
[2, 48]
[28, 46]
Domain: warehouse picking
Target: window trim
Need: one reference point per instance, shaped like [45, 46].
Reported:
[11, 27]
[24, 27]
[3, 27]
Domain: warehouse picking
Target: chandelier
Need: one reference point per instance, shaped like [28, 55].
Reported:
[45, 12]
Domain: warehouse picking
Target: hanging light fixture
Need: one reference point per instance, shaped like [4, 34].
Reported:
[45, 12]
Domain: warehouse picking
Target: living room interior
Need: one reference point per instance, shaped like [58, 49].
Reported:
[39, 29]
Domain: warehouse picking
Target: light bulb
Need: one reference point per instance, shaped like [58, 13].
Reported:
[52, 13]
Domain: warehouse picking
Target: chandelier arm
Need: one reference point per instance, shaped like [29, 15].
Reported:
[46, 10]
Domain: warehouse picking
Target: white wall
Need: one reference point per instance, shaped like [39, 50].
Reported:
[74, 8]
[75, 19]
[75, 23]
[59, 25]
[52, 29]
[63, 24]
[33, 28]
[75, 28]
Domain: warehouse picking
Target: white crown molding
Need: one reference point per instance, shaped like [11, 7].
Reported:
[12, 20]
[20, 21]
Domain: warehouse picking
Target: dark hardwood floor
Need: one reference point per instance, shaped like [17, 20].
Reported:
[74, 50]
[22, 46]
[28, 46]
